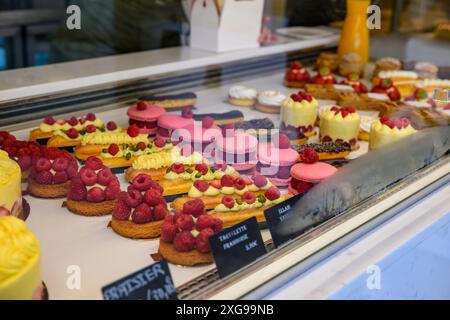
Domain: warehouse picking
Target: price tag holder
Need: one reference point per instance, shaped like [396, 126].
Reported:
[236, 247]
[278, 220]
[151, 283]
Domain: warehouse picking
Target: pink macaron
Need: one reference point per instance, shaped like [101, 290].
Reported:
[312, 172]
[167, 123]
[145, 116]
[239, 150]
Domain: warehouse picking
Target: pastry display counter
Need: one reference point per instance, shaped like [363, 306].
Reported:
[88, 247]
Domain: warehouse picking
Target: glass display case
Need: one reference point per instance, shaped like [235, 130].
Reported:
[366, 180]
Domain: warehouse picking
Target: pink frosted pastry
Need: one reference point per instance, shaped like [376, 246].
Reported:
[308, 173]
[167, 123]
[145, 117]
[276, 160]
[238, 150]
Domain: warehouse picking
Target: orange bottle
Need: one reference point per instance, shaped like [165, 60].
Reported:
[355, 34]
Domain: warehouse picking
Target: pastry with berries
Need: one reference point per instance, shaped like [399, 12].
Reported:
[387, 87]
[324, 77]
[326, 150]
[275, 160]
[340, 124]
[212, 192]
[233, 210]
[145, 117]
[420, 99]
[403, 81]
[94, 143]
[387, 130]
[51, 126]
[140, 211]
[355, 82]
[184, 235]
[299, 113]
[328, 60]
[296, 76]
[309, 172]
[51, 173]
[94, 190]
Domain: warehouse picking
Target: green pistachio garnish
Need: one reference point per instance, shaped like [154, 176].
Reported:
[261, 199]
[189, 171]
[128, 156]
[198, 175]
[239, 201]
[168, 170]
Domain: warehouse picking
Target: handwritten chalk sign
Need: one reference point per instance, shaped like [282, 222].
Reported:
[151, 283]
[278, 220]
[236, 247]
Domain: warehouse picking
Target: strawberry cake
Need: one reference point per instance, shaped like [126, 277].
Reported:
[299, 113]
[385, 131]
[276, 160]
[354, 81]
[51, 172]
[184, 236]
[145, 117]
[324, 76]
[140, 211]
[296, 76]
[94, 190]
[308, 173]
[387, 87]
[340, 125]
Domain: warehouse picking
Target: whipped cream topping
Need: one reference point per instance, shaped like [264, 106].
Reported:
[343, 87]
[378, 96]
[398, 74]
[242, 92]
[271, 97]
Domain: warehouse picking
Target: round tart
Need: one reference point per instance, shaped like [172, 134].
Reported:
[340, 125]
[385, 131]
[296, 76]
[269, 101]
[242, 96]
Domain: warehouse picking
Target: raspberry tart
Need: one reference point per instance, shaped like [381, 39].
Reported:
[340, 125]
[140, 212]
[354, 81]
[296, 76]
[50, 173]
[324, 76]
[184, 236]
[387, 87]
[299, 113]
[93, 191]
[387, 130]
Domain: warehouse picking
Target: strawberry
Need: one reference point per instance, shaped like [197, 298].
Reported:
[202, 168]
[90, 117]
[309, 156]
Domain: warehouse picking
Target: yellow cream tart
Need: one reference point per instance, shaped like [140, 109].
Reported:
[299, 113]
[20, 271]
[340, 125]
[385, 131]
[10, 186]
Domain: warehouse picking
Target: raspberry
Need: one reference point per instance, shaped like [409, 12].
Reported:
[113, 149]
[185, 222]
[77, 190]
[281, 141]
[112, 190]
[61, 122]
[141, 106]
[91, 128]
[60, 177]
[205, 221]
[83, 119]
[52, 153]
[177, 168]
[202, 168]
[142, 182]
[72, 169]
[260, 181]
[49, 120]
[72, 121]
[227, 181]
[169, 219]
[142, 214]
[239, 183]
[272, 193]
[201, 185]
[249, 197]
[60, 164]
[194, 207]
[44, 177]
[184, 241]
[187, 113]
[405, 122]
[228, 202]
[96, 195]
[202, 242]
[397, 123]
[88, 176]
[133, 198]
[133, 131]
[215, 184]
[160, 212]
[90, 117]
[153, 197]
[302, 186]
[168, 232]
[94, 163]
[296, 65]
[309, 155]
[104, 177]
[207, 122]
[350, 109]
[142, 146]
[111, 126]
[121, 211]
[384, 119]
[43, 164]
[159, 142]
[72, 133]
[24, 162]
[344, 113]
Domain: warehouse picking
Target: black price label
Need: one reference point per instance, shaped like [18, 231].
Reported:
[236, 247]
[151, 283]
[278, 220]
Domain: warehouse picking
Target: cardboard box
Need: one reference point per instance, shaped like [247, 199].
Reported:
[233, 26]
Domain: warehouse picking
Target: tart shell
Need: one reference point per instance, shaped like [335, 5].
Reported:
[129, 229]
[190, 258]
[52, 191]
[90, 209]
